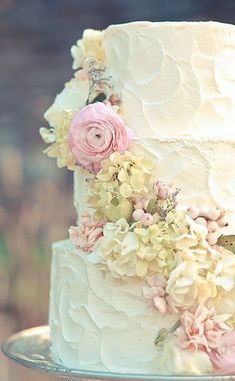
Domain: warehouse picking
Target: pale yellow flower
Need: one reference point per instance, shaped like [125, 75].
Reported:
[134, 251]
[116, 250]
[188, 233]
[59, 116]
[47, 135]
[122, 177]
[57, 136]
[157, 248]
[193, 280]
[177, 248]
[154, 250]
[88, 48]
[203, 276]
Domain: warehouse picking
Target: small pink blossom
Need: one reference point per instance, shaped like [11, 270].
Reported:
[161, 190]
[156, 295]
[95, 132]
[86, 234]
[138, 214]
[147, 219]
[141, 203]
[199, 330]
[223, 357]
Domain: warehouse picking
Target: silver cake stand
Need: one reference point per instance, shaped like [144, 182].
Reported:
[31, 348]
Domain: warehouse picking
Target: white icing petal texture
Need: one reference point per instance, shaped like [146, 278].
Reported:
[97, 322]
[174, 78]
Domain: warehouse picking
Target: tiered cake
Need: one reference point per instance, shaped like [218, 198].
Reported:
[146, 283]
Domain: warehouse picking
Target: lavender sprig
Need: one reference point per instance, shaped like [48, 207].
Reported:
[171, 203]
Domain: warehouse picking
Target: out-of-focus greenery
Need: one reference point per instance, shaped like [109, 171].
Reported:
[31, 218]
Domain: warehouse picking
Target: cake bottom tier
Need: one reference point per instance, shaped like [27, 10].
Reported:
[99, 323]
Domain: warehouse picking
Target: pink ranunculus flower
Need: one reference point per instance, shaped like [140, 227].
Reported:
[95, 132]
[199, 330]
[223, 357]
[156, 296]
[86, 234]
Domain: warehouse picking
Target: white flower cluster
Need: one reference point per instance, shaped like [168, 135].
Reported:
[88, 48]
[87, 52]
[176, 248]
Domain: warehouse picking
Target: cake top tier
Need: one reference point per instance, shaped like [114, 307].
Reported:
[164, 79]
[174, 78]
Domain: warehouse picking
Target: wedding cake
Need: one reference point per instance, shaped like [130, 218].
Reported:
[146, 281]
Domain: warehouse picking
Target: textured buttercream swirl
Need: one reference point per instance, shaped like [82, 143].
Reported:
[99, 323]
[174, 78]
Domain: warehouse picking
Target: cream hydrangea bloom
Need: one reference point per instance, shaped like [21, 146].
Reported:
[121, 252]
[203, 276]
[59, 115]
[122, 176]
[129, 251]
[88, 48]
[189, 233]
[157, 248]
[133, 173]
[176, 248]
[116, 250]
[57, 136]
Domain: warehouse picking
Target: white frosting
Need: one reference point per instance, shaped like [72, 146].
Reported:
[81, 179]
[99, 323]
[204, 170]
[174, 78]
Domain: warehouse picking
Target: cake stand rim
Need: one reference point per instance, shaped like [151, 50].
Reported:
[55, 369]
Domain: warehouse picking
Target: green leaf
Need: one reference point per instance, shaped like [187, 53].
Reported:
[228, 242]
[152, 206]
[115, 201]
[99, 98]
[164, 332]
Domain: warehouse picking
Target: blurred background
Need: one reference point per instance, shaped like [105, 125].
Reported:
[36, 205]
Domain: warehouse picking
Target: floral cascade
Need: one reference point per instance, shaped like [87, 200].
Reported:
[137, 229]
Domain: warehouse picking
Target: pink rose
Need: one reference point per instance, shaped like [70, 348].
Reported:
[86, 234]
[223, 358]
[95, 132]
